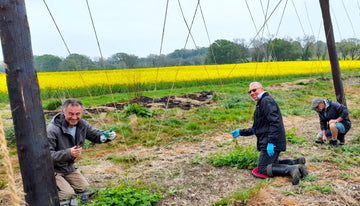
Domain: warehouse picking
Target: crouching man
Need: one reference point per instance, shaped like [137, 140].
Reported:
[66, 134]
[334, 121]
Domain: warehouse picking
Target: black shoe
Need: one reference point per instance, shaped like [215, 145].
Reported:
[303, 170]
[300, 160]
[341, 138]
[333, 143]
[319, 141]
[285, 170]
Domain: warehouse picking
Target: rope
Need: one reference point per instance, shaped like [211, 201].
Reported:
[57, 28]
[177, 71]
[297, 15]
[336, 22]
[15, 200]
[157, 69]
[77, 66]
[104, 67]
[347, 15]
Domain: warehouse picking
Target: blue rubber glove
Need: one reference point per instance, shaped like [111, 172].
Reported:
[235, 133]
[270, 149]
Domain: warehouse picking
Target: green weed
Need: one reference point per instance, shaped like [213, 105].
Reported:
[241, 158]
[292, 138]
[136, 109]
[125, 195]
[124, 159]
[53, 104]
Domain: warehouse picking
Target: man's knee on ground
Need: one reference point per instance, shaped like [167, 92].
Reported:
[262, 170]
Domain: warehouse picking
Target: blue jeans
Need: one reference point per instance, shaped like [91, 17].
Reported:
[265, 160]
[339, 126]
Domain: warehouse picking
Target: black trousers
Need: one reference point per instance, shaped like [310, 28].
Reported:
[265, 160]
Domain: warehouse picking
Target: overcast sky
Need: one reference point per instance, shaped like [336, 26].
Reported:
[136, 26]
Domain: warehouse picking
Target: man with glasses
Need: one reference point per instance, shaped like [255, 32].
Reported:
[334, 121]
[269, 130]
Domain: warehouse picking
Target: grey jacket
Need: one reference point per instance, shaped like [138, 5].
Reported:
[60, 141]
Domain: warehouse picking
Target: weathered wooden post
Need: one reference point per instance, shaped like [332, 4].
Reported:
[32, 145]
[330, 40]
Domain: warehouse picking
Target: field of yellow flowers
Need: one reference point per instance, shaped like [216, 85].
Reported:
[72, 80]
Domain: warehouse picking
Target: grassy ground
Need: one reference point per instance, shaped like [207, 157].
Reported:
[170, 149]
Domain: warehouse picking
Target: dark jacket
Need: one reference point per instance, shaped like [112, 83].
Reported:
[333, 110]
[60, 141]
[268, 125]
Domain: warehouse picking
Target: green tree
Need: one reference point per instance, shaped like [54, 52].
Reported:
[284, 50]
[47, 63]
[320, 50]
[348, 48]
[226, 52]
[75, 62]
[130, 61]
[308, 47]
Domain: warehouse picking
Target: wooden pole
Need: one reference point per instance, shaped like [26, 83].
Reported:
[330, 40]
[36, 165]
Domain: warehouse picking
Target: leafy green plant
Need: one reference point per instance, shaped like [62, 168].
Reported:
[125, 195]
[324, 189]
[356, 113]
[53, 104]
[292, 138]
[196, 160]
[3, 183]
[125, 159]
[10, 136]
[174, 122]
[136, 109]
[192, 126]
[88, 144]
[241, 158]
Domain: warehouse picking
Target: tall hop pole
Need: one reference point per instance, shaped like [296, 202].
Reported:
[330, 40]
[36, 165]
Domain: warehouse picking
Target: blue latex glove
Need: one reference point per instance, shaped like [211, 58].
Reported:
[235, 133]
[270, 149]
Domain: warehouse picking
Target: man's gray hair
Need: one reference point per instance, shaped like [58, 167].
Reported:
[72, 102]
[256, 83]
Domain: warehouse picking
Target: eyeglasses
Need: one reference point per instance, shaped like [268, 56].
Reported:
[252, 90]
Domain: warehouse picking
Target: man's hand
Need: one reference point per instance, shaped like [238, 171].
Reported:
[235, 133]
[270, 149]
[75, 151]
[112, 135]
[107, 135]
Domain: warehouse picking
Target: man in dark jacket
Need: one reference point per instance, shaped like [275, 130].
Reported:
[334, 121]
[66, 134]
[269, 130]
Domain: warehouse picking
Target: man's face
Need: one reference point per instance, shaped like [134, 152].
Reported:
[321, 107]
[73, 115]
[254, 91]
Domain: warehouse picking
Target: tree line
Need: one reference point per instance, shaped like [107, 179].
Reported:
[220, 52]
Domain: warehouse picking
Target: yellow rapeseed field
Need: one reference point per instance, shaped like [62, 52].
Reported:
[54, 81]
